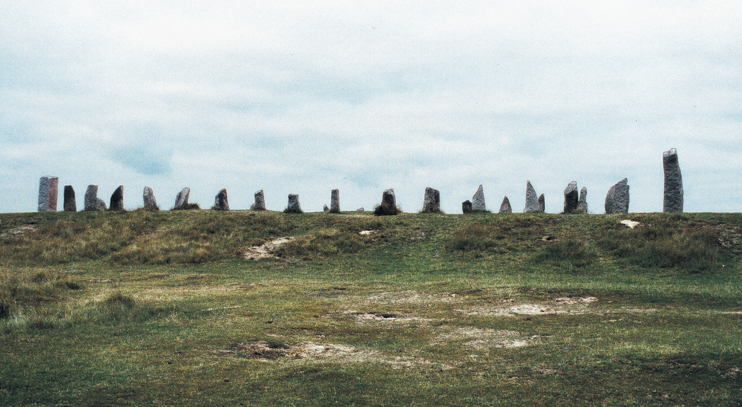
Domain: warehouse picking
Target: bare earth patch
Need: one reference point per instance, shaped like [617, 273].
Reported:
[487, 338]
[566, 305]
[365, 318]
[19, 230]
[266, 251]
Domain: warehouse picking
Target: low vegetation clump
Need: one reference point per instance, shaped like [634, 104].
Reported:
[187, 207]
[143, 308]
[387, 210]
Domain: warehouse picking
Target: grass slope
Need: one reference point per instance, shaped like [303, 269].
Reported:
[153, 308]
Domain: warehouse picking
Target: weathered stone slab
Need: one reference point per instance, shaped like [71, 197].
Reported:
[259, 204]
[100, 205]
[117, 199]
[477, 201]
[335, 201]
[673, 200]
[181, 200]
[326, 209]
[571, 198]
[582, 203]
[293, 206]
[221, 203]
[388, 204]
[150, 202]
[617, 199]
[505, 206]
[541, 203]
[91, 199]
[531, 199]
[70, 203]
[48, 193]
[431, 201]
[467, 207]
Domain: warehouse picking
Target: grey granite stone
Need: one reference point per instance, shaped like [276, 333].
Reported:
[431, 201]
[100, 205]
[117, 199]
[673, 199]
[221, 203]
[505, 206]
[388, 204]
[259, 201]
[150, 202]
[91, 199]
[617, 198]
[571, 198]
[467, 207]
[293, 206]
[477, 201]
[541, 203]
[326, 209]
[48, 193]
[582, 203]
[335, 201]
[181, 200]
[532, 204]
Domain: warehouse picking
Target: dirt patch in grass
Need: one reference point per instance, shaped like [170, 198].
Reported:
[411, 297]
[509, 308]
[366, 318]
[19, 230]
[267, 250]
[487, 338]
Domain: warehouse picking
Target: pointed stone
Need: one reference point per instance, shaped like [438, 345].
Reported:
[92, 200]
[477, 201]
[181, 200]
[48, 192]
[505, 206]
[388, 204]
[541, 203]
[582, 203]
[70, 203]
[673, 200]
[221, 203]
[532, 204]
[617, 198]
[150, 203]
[326, 209]
[466, 206]
[117, 199]
[335, 201]
[293, 206]
[259, 201]
[571, 198]
[431, 201]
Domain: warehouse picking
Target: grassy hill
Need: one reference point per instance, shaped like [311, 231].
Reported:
[266, 308]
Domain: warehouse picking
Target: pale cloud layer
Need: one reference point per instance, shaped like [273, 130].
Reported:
[304, 97]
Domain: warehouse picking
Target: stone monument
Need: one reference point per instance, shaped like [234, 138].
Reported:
[532, 204]
[117, 199]
[181, 200]
[571, 198]
[477, 201]
[48, 192]
[505, 206]
[150, 202]
[673, 200]
[70, 203]
[259, 204]
[582, 203]
[335, 201]
[221, 203]
[293, 206]
[431, 201]
[617, 198]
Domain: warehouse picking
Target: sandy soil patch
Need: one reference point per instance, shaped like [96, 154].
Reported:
[19, 230]
[565, 305]
[365, 318]
[266, 251]
[410, 297]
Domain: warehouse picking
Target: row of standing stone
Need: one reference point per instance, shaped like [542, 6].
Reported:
[616, 201]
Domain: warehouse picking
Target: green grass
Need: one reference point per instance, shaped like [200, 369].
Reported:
[163, 307]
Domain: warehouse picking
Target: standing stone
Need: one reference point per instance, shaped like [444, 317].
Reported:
[388, 204]
[335, 201]
[541, 203]
[477, 201]
[117, 199]
[326, 209]
[220, 201]
[505, 206]
[570, 198]
[431, 201]
[673, 201]
[150, 202]
[532, 204]
[181, 200]
[70, 203]
[617, 199]
[294, 206]
[582, 203]
[100, 205]
[466, 206]
[92, 202]
[259, 204]
[48, 191]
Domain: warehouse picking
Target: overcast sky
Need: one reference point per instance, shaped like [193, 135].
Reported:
[305, 97]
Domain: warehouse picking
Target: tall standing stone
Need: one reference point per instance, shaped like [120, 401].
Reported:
[531, 199]
[259, 204]
[293, 206]
[582, 203]
[335, 201]
[92, 202]
[150, 202]
[431, 201]
[181, 200]
[505, 206]
[117, 199]
[673, 201]
[541, 203]
[571, 198]
[617, 198]
[221, 202]
[388, 204]
[477, 201]
[48, 192]
[70, 203]
[466, 206]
